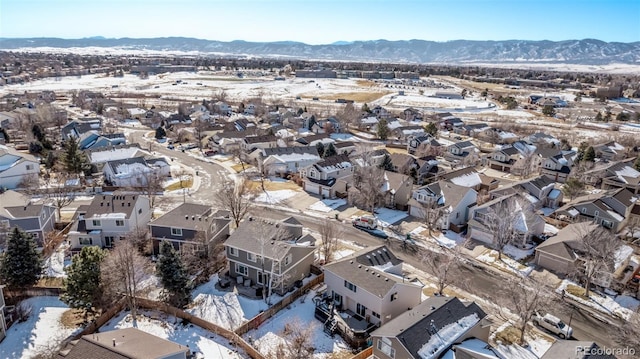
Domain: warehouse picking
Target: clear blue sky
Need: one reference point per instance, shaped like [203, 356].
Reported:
[325, 21]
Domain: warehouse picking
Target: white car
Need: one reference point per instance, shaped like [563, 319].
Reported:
[553, 324]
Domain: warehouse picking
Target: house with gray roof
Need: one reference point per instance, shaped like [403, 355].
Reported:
[575, 350]
[329, 177]
[16, 167]
[610, 209]
[448, 201]
[541, 191]
[17, 211]
[135, 171]
[127, 343]
[192, 225]
[80, 126]
[555, 164]
[430, 329]
[364, 291]
[560, 253]
[621, 175]
[282, 161]
[270, 253]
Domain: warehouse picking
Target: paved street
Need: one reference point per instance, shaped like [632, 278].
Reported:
[483, 281]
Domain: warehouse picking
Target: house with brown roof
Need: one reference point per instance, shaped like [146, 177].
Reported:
[364, 291]
[396, 189]
[128, 343]
[193, 225]
[107, 218]
[560, 253]
[264, 141]
[541, 191]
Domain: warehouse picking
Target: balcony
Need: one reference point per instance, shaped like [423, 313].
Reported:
[353, 328]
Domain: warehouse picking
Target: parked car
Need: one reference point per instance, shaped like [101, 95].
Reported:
[553, 324]
[171, 147]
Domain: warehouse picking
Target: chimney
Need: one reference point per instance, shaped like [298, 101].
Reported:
[114, 342]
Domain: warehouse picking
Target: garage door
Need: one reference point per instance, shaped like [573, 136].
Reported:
[552, 264]
[312, 188]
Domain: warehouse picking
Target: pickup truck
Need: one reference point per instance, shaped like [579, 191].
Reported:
[553, 324]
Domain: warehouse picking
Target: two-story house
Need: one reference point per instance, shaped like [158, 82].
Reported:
[430, 329]
[328, 177]
[460, 151]
[253, 142]
[556, 164]
[403, 163]
[610, 209]
[527, 223]
[541, 190]
[16, 167]
[192, 225]
[396, 190]
[365, 290]
[610, 151]
[282, 161]
[80, 126]
[448, 201]
[92, 140]
[621, 175]
[16, 210]
[107, 218]
[270, 253]
[424, 144]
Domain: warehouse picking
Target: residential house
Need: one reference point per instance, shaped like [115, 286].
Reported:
[222, 108]
[92, 139]
[403, 163]
[107, 218]
[397, 190]
[405, 133]
[541, 192]
[230, 140]
[459, 151]
[127, 343]
[78, 127]
[542, 139]
[365, 290]
[560, 253]
[17, 211]
[575, 350]
[472, 129]
[329, 177]
[263, 252]
[468, 177]
[252, 143]
[556, 164]
[283, 161]
[190, 224]
[16, 167]
[177, 120]
[99, 156]
[3, 321]
[620, 175]
[610, 209]
[449, 201]
[421, 143]
[528, 225]
[504, 158]
[136, 171]
[496, 135]
[610, 151]
[344, 147]
[412, 114]
[313, 140]
[328, 125]
[428, 330]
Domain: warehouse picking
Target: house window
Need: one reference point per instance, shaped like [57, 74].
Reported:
[241, 269]
[35, 235]
[233, 251]
[29, 167]
[262, 278]
[375, 314]
[85, 241]
[96, 223]
[596, 213]
[394, 296]
[352, 287]
[176, 232]
[583, 210]
[108, 241]
[607, 224]
[287, 260]
[251, 257]
[119, 222]
[361, 309]
[457, 215]
[140, 211]
[384, 345]
[337, 299]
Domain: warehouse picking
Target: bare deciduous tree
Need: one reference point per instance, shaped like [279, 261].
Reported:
[123, 272]
[62, 193]
[151, 186]
[236, 198]
[297, 341]
[431, 213]
[506, 220]
[523, 297]
[272, 249]
[597, 247]
[368, 180]
[329, 234]
[442, 265]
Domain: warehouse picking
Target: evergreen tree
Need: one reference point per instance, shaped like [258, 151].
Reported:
[599, 117]
[590, 154]
[386, 164]
[21, 264]
[74, 160]
[160, 133]
[383, 129]
[431, 129]
[548, 110]
[365, 108]
[173, 276]
[330, 151]
[320, 148]
[83, 286]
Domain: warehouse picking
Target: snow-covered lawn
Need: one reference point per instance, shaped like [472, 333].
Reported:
[54, 265]
[269, 335]
[508, 264]
[206, 344]
[537, 345]
[327, 205]
[226, 309]
[623, 307]
[275, 197]
[41, 331]
[387, 217]
[517, 253]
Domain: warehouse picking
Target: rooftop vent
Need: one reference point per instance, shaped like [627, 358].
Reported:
[186, 216]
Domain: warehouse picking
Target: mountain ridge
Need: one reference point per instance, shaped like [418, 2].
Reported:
[586, 51]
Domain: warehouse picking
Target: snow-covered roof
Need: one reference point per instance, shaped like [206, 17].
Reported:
[627, 171]
[467, 180]
[447, 336]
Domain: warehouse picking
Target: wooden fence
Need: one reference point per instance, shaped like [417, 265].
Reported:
[102, 319]
[364, 354]
[13, 297]
[256, 321]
